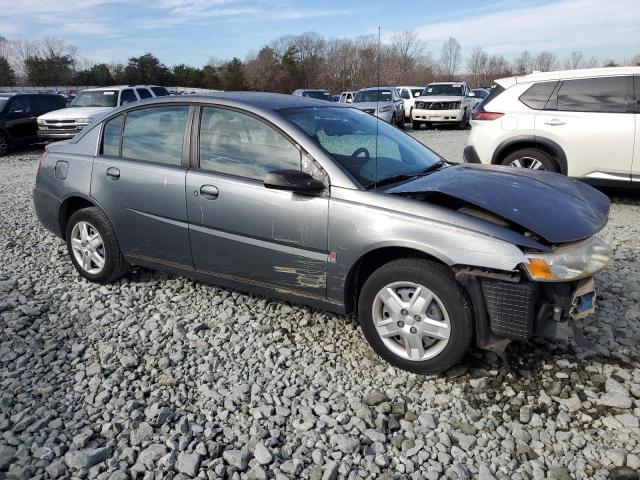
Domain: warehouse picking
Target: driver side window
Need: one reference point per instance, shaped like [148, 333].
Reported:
[238, 144]
[19, 105]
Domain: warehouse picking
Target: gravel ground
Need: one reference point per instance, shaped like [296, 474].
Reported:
[162, 377]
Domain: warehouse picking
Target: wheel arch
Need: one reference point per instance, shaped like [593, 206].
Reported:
[72, 204]
[371, 260]
[529, 141]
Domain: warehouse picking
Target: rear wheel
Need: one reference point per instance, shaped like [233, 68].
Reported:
[4, 144]
[93, 246]
[415, 315]
[532, 158]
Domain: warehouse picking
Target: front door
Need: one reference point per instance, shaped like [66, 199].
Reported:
[592, 120]
[241, 230]
[139, 180]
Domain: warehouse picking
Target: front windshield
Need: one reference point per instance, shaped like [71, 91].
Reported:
[349, 136]
[319, 94]
[415, 92]
[373, 96]
[454, 90]
[96, 98]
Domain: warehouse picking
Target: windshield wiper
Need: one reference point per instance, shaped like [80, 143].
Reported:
[407, 176]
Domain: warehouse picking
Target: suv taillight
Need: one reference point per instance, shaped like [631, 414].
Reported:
[42, 157]
[479, 113]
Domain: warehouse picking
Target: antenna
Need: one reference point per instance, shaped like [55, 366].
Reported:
[377, 102]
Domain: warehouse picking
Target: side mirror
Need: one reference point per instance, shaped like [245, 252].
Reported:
[293, 181]
[472, 94]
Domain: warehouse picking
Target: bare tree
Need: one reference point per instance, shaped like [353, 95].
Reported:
[450, 58]
[635, 60]
[477, 65]
[545, 61]
[591, 63]
[523, 64]
[575, 60]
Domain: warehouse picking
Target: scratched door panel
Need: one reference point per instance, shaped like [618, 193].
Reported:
[147, 207]
[249, 232]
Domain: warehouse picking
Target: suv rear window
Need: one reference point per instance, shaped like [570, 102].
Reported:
[160, 91]
[606, 95]
[537, 95]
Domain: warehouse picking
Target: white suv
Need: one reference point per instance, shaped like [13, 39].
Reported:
[65, 123]
[409, 95]
[443, 102]
[581, 123]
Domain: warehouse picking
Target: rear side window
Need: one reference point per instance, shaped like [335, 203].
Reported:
[604, 95]
[160, 91]
[538, 94]
[237, 144]
[127, 96]
[19, 104]
[143, 93]
[111, 137]
[155, 134]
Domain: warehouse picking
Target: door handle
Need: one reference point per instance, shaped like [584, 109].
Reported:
[554, 122]
[209, 191]
[113, 172]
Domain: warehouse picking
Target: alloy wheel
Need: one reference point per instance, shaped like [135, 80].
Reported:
[411, 321]
[88, 247]
[527, 162]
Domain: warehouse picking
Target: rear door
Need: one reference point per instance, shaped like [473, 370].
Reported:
[593, 122]
[139, 180]
[241, 230]
[21, 120]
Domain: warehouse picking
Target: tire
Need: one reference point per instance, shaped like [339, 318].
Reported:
[462, 124]
[450, 306]
[532, 158]
[4, 144]
[400, 123]
[393, 120]
[416, 125]
[114, 265]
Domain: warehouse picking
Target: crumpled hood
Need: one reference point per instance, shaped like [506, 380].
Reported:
[71, 113]
[557, 208]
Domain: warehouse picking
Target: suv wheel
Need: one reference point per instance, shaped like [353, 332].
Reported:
[532, 158]
[462, 125]
[93, 247]
[4, 144]
[414, 314]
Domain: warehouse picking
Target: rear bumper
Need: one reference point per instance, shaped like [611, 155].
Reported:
[47, 208]
[470, 155]
[437, 116]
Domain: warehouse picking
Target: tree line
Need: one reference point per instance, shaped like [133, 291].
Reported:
[289, 62]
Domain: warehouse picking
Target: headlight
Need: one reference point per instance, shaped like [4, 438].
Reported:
[569, 262]
[385, 109]
[84, 120]
[41, 121]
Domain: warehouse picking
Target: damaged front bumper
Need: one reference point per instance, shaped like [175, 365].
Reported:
[516, 308]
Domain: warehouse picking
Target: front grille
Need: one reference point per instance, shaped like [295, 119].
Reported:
[438, 105]
[66, 125]
[511, 307]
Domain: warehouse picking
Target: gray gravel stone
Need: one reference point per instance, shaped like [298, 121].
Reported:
[189, 463]
[237, 458]
[87, 458]
[262, 454]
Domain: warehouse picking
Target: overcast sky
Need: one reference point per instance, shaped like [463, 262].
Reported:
[192, 31]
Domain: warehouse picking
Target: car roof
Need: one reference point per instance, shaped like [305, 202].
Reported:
[117, 87]
[14, 94]
[446, 83]
[569, 74]
[262, 100]
[382, 87]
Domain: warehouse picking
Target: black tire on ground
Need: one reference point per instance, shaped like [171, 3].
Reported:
[530, 158]
[4, 144]
[115, 266]
[400, 123]
[416, 125]
[462, 124]
[437, 278]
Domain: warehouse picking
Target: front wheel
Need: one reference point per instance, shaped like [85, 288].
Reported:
[416, 125]
[416, 316]
[532, 158]
[4, 144]
[93, 246]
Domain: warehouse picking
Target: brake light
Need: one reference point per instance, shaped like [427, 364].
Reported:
[479, 113]
[42, 157]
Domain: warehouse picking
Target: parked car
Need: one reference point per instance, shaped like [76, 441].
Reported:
[321, 204]
[64, 124]
[313, 93]
[18, 113]
[409, 95]
[346, 97]
[581, 123]
[479, 95]
[382, 102]
[443, 102]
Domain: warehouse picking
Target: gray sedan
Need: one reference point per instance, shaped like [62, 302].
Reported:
[319, 204]
[382, 102]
